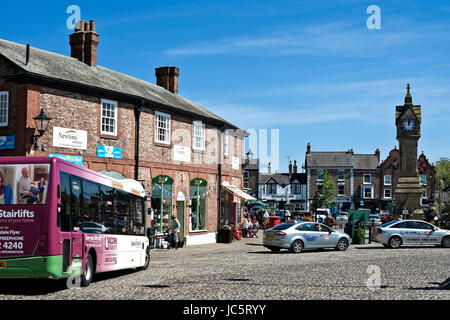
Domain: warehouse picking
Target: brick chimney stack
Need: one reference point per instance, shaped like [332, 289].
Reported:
[167, 77]
[269, 169]
[84, 42]
[295, 166]
[308, 148]
[290, 168]
[377, 153]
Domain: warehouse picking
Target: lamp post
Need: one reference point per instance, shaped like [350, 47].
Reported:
[42, 121]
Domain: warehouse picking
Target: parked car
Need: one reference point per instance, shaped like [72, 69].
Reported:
[396, 233]
[342, 217]
[297, 237]
[374, 219]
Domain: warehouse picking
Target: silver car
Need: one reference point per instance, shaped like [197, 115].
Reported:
[396, 233]
[297, 237]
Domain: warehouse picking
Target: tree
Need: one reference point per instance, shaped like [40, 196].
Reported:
[443, 173]
[443, 180]
[328, 189]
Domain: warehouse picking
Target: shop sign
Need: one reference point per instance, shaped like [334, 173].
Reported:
[7, 142]
[69, 138]
[182, 154]
[74, 159]
[109, 152]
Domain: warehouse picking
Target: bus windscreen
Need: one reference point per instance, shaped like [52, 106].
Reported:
[24, 184]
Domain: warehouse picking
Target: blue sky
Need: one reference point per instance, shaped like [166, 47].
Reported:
[311, 69]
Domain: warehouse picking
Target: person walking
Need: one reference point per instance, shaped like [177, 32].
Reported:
[174, 229]
[266, 218]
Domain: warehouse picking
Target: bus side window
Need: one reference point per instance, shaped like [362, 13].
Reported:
[65, 203]
[123, 213]
[108, 207]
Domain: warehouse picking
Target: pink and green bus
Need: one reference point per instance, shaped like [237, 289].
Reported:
[58, 219]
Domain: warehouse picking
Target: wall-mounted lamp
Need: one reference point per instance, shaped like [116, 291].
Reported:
[42, 121]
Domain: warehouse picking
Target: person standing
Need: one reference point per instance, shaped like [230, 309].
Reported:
[174, 229]
[266, 218]
[329, 221]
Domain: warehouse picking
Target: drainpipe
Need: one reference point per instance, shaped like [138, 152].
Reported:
[137, 116]
[219, 177]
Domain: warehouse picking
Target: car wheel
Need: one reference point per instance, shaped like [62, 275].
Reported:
[275, 249]
[395, 242]
[297, 246]
[88, 274]
[342, 244]
[445, 242]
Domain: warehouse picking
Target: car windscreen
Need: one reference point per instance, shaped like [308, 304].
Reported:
[388, 224]
[283, 226]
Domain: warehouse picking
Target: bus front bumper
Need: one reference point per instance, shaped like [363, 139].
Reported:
[33, 267]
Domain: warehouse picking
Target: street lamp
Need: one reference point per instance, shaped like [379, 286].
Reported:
[42, 121]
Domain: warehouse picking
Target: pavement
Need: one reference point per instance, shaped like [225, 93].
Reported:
[246, 270]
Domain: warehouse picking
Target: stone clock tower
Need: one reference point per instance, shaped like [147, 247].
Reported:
[408, 192]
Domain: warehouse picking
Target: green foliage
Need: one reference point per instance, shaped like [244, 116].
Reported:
[359, 233]
[328, 190]
[443, 173]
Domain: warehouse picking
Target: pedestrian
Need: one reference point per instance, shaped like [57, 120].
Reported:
[246, 226]
[329, 220]
[266, 218]
[174, 229]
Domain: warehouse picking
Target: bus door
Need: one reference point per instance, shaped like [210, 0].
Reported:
[75, 212]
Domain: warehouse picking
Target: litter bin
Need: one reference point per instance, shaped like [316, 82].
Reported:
[274, 221]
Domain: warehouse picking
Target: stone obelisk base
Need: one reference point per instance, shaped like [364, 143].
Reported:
[408, 196]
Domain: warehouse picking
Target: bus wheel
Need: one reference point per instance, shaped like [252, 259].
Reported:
[88, 274]
[147, 260]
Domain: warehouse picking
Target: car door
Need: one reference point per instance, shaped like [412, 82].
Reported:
[309, 234]
[427, 233]
[327, 237]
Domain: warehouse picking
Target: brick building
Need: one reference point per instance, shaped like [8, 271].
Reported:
[390, 173]
[356, 178]
[114, 123]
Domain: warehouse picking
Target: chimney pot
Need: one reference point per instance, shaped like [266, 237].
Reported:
[308, 148]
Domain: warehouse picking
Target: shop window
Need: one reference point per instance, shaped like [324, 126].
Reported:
[198, 195]
[162, 200]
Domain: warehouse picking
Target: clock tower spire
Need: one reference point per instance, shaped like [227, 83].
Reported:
[408, 193]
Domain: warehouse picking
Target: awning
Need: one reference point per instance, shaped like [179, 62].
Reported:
[237, 192]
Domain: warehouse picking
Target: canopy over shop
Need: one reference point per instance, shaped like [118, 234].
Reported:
[232, 200]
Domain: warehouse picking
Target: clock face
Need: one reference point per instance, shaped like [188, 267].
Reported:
[408, 125]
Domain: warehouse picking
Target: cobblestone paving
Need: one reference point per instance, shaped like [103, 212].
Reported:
[247, 270]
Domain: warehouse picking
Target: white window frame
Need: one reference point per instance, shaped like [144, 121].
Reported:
[364, 178]
[199, 132]
[5, 93]
[225, 143]
[390, 192]
[115, 106]
[339, 175]
[424, 194]
[166, 118]
[320, 174]
[341, 185]
[390, 180]
[363, 193]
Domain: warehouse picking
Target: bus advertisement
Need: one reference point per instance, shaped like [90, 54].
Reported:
[58, 220]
